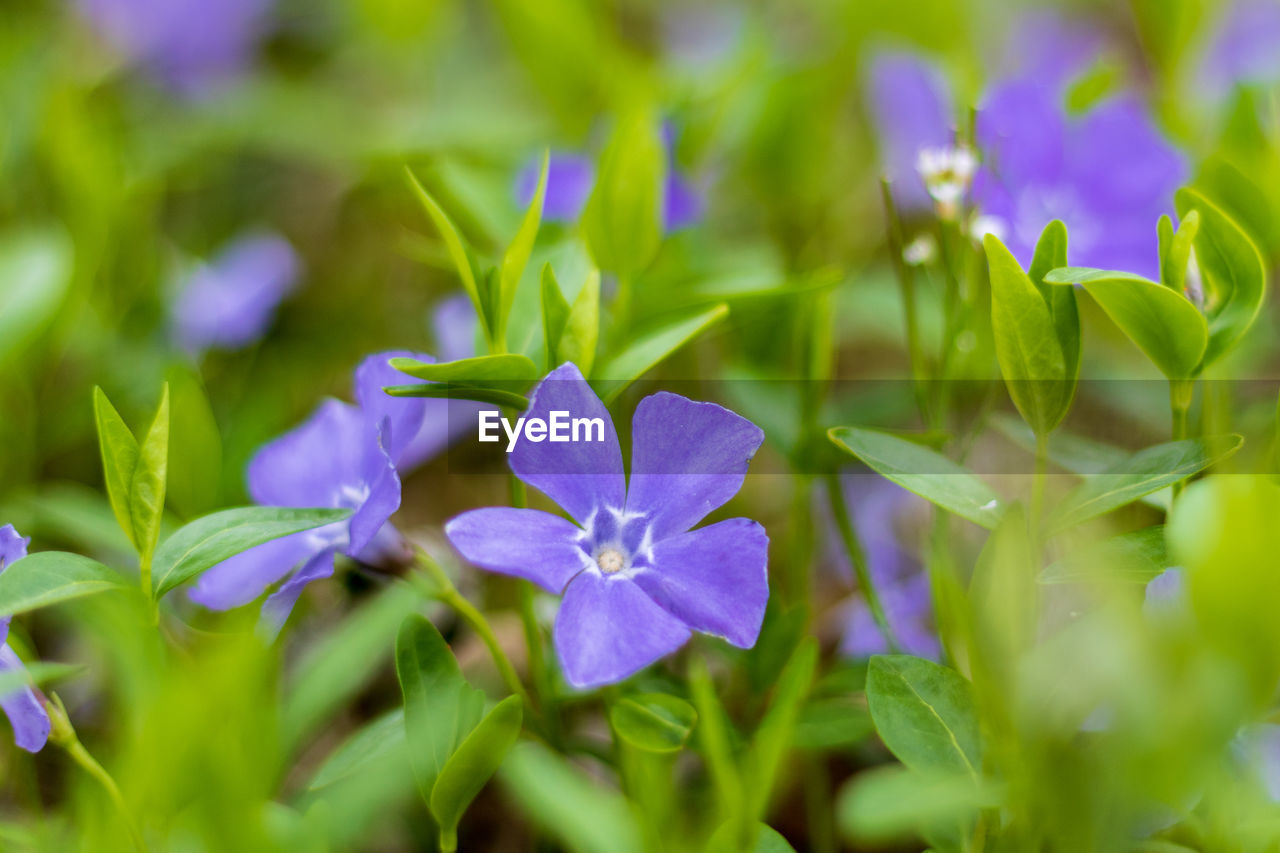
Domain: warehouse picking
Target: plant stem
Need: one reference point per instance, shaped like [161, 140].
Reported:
[1180, 394]
[1038, 483]
[447, 593]
[907, 284]
[849, 537]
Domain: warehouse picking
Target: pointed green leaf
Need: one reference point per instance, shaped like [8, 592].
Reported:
[454, 245]
[1050, 254]
[1135, 557]
[501, 370]
[623, 218]
[648, 349]
[582, 330]
[773, 736]
[517, 255]
[653, 722]
[207, 541]
[1234, 273]
[371, 744]
[150, 475]
[440, 707]
[51, 577]
[450, 391]
[1146, 471]
[930, 475]
[555, 314]
[925, 714]
[1026, 339]
[475, 760]
[195, 468]
[119, 451]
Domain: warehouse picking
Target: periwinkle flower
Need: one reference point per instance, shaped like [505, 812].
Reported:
[636, 579]
[230, 302]
[23, 707]
[910, 102]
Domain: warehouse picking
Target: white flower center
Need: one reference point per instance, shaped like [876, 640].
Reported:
[611, 561]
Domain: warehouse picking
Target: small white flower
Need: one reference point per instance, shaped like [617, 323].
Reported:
[986, 224]
[920, 251]
[947, 173]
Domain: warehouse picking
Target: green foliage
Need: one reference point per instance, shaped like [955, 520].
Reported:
[1134, 557]
[623, 219]
[35, 266]
[135, 472]
[472, 764]
[480, 371]
[52, 577]
[647, 349]
[653, 722]
[925, 714]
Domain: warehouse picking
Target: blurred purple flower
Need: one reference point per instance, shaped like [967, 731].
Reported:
[910, 102]
[1261, 745]
[193, 46]
[635, 579]
[1244, 49]
[878, 508]
[1051, 49]
[230, 302]
[1165, 593]
[23, 707]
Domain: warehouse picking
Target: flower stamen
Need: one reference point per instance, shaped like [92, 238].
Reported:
[611, 561]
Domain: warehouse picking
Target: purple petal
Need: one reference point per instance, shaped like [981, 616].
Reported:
[911, 106]
[24, 709]
[1245, 48]
[608, 629]
[714, 579]
[1165, 593]
[13, 546]
[580, 476]
[230, 302]
[523, 543]
[569, 181]
[1063, 49]
[247, 575]
[455, 323]
[379, 495]
[1021, 129]
[1264, 740]
[682, 203]
[405, 416]
[688, 459]
[278, 606]
[319, 463]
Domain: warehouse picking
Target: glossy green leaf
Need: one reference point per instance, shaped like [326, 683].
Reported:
[207, 541]
[51, 577]
[925, 714]
[369, 745]
[455, 246]
[1134, 557]
[119, 451]
[150, 476]
[930, 475]
[582, 329]
[555, 314]
[1146, 471]
[1050, 254]
[517, 254]
[508, 369]
[450, 391]
[35, 271]
[653, 722]
[1165, 325]
[647, 349]
[1234, 273]
[623, 218]
[472, 764]
[440, 707]
[1027, 346]
[195, 466]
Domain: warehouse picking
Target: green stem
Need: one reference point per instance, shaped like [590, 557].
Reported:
[1180, 394]
[448, 594]
[849, 537]
[1038, 482]
[907, 283]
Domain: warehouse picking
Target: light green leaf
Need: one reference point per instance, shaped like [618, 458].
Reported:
[440, 707]
[150, 475]
[207, 541]
[475, 760]
[892, 803]
[653, 722]
[930, 475]
[1146, 471]
[517, 254]
[582, 330]
[1050, 254]
[369, 745]
[1003, 594]
[925, 714]
[508, 368]
[648, 349]
[35, 270]
[1175, 250]
[623, 218]
[119, 451]
[831, 723]
[1234, 273]
[767, 840]
[1134, 557]
[51, 577]
[195, 468]
[455, 246]
[450, 391]
[555, 314]
[1026, 339]
[1165, 325]
[773, 736]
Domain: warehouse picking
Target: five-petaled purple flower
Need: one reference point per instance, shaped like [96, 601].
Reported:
[230, 302]
[22, 706]
[636, 579]
[193, 46]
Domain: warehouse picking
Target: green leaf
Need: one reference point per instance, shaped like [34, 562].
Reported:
[150, 475]
[207, 541]
[1003, 594]
[517, 254]
[582, 330]
[1146, 471]
[767, 840]
[715, 737]
[449, 391]
[119, 451]
[1027, 346]
[480, 371]
[1234, 273]
[623, 218]
[648, 349]
[925, 714]
[833, 722]
[369, 745]
[440, 707]
[930, 475]
[455, 246]
[36, 269]
[475, 760]
[555, 314]
[653, 722]
[773, 735]
[195, 468]
[51, 577]
[1165, 325]
[1175, 250]
[891, 803]
[36, 674]
[1134, 557]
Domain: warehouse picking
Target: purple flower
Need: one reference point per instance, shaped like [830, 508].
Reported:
[878, 508]
[23, 707]
[230, 302]
[193, 46]
[1165, 593]
[910, 102]
[1244, 49]
[636, 579]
